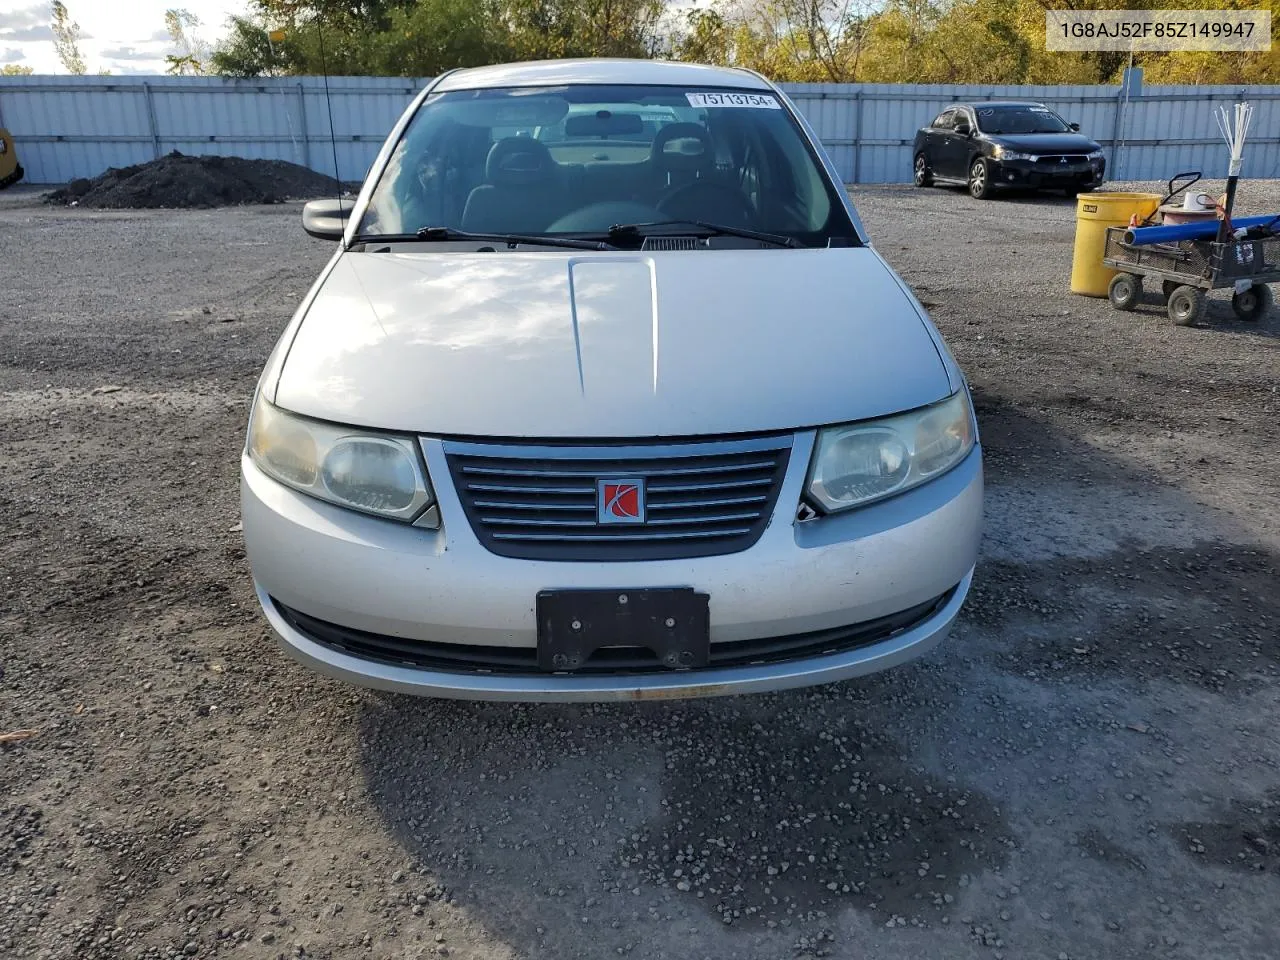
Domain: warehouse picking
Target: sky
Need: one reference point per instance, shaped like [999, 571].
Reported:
[122, 36]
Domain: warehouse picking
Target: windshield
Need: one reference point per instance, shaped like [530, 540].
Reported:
[576, 160]
[1015, 120]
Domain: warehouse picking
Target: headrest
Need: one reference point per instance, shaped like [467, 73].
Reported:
[682, 146]
[517, 161]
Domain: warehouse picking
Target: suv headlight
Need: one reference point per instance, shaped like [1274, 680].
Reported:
[1004, 153]
[859, 463]
[1095, 154]
[373, 473]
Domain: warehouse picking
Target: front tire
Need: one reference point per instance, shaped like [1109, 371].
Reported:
[1252, 305]
[979, 180]
[1125, 291]
[13, 177]
[922, 175]
[1186, 306]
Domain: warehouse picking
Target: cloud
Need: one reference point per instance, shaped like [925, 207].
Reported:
[160, 36]
[128, 53]
[26, 17]
[12, 55]
[149, 67]
[41, 32]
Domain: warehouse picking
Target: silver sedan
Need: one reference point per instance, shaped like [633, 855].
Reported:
[605, 394]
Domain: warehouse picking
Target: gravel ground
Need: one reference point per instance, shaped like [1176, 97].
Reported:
[1087, 769]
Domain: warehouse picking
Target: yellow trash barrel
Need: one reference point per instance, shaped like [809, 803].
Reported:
[1094, 213]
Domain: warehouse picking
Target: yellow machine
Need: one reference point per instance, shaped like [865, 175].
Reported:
[10, 168]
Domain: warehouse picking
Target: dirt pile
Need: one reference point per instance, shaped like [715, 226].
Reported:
[176, 180]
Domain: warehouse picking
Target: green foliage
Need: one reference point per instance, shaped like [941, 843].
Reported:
[420, 38]
[192, 52]
[821, 41]
[66, 38]
[15, 70]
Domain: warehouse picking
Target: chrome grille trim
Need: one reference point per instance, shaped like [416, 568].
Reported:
[623, 537]
[651, 451]
[649, 472]
[703, 497]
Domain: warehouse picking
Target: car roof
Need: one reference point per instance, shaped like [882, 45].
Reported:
[623, 72]
[1000, 103]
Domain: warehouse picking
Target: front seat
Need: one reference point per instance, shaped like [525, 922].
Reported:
[523, 192]
[681, 154]
[683, 163]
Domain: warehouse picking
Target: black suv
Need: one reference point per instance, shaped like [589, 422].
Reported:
[1006, 144]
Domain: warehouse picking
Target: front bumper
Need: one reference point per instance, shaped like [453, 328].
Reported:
[444, 587]
[1024, 173]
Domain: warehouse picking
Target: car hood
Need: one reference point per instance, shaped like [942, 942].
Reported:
[1045, 142]
[554, 344]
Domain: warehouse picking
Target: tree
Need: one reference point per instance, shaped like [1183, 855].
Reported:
[542, 29]
[66, 39]
[192, 53]
[815, 41]
[349, 31]
[424, 37]
[15, 70]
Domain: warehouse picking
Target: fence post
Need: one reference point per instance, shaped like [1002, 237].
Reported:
[302, 125]
[1115, 133]
[151, 119]
[1131, 78]
[857, 134]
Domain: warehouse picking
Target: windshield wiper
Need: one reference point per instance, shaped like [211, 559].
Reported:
[620, 230]
[436, 234]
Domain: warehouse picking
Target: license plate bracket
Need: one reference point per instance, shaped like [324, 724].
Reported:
[672, 622]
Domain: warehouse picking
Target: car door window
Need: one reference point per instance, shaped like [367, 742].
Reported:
[945, 121]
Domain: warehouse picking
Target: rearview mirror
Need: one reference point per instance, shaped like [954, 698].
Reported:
[1074, 126]
[326, 219]
[603, 123]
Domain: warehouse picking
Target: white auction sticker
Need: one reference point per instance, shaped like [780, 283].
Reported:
[758, 100]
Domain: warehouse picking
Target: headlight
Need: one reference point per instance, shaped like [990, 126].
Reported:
[1095, 154]
[1004, 153]
[858, 463]
[367, 472]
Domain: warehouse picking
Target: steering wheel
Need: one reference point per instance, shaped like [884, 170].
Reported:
[599, 217]
[703, 200]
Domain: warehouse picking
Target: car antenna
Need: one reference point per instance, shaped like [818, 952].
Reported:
[328, 104]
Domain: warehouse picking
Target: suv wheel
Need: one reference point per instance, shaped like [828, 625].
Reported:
[923, 176]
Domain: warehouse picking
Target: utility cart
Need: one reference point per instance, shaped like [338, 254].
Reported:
[1189, 269]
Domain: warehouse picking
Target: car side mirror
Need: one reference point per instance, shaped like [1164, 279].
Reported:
[963, 128]
[1074, 126]
[326, 219]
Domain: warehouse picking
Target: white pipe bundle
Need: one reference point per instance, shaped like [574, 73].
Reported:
[1234, 130]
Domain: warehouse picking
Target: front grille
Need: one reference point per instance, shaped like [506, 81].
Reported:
[539, 503]
[466, 658]
[1051, 162]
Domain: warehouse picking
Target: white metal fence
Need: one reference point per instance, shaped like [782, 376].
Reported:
[68, 127]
